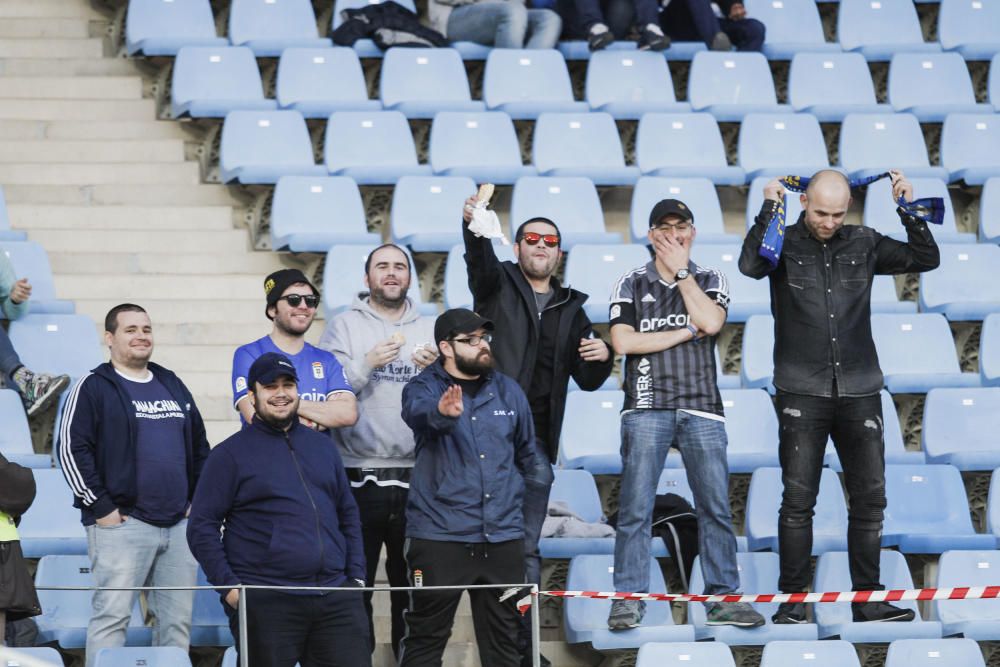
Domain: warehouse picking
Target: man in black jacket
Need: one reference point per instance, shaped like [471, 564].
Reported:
[696, 21]
[543, 337]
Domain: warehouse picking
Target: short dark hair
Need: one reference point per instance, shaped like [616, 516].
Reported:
[368, 260]
[111, 319]
[520, 230]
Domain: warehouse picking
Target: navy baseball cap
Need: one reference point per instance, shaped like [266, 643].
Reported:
[667, 207]
[268, 367]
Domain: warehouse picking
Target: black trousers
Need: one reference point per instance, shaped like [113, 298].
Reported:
[431, 615]
[383, 521]
[312, 630]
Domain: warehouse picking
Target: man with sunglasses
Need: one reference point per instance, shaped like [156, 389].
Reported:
[546, 339]
[327, 397]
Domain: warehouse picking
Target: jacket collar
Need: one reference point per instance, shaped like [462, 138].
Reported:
[563, 293]
[263, 426]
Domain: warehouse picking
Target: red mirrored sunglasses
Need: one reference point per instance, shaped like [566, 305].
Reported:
[532, 238]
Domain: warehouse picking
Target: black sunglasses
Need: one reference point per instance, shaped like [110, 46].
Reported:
[532, 238]
[295, 299]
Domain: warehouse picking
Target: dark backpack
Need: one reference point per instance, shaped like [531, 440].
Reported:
[675, 522]
[388, 24]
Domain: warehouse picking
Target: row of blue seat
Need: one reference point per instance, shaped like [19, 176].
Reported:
[123, 656]
[876, 30]
[211, 81]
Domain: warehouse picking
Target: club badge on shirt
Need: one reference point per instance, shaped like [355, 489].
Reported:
[317, 367]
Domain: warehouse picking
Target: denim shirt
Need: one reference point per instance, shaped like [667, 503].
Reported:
[821, 300]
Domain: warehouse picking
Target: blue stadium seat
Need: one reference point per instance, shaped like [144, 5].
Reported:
[969, 27]
[934, 652]
[758, 574]
[973, 619]
[52, 525]
[725, 380]
[456, 278]
[229, 658]
[312, 213]
[162, 27]
[731, 85]
[577, 489]
[421, 82]
[916, 353]
[209, 623]
[426, 211]
[880, 210]
[959, 427]
[870, 143]
[142, 656]
[15, 436]
[39, 656]
[56, 343]
[342, 273]
[751, 428]
[570, 201]
[30, 261]
[989, 210]
[480, 145]
[773, 144]
[685, 145]
[932, 85]
[627, 85]
[586, 620]
[962, 288]
[879, 29]
[577, 49]
[829, 653]
[6, 233]
[698, 193]
[757, 357]
[591, 432]
[365, 48]
[835, 619]
[211, 81]
[263, 146]
[674, 480]
[989, 351]
[372, 147]
[755, 198]
[581, 144]
[747, 297]
[832, 85]
[319, 82]
[884, 298]
[764, 500]
[892, 435]
[525, 83]
[65, 614]
[928, 512]
[269, 27]
[595, 268]
[689, 654]
[970, 147]
[793, 26]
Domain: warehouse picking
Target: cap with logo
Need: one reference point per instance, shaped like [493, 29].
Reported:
[666, 207]
[268, 367]
[276, 284]
[459, 321]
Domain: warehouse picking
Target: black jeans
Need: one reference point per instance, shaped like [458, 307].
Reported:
[383, 521]
[856, 427]
[431, 614]
[312, 630]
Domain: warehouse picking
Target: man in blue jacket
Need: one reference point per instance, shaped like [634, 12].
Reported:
[132, 444]
[280, 490]
[474, 444]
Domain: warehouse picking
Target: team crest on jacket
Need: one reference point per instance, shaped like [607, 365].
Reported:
[317, 367]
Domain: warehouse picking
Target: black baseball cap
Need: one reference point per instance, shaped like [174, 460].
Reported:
[666, 207]
[268, 367]
[276, 284]
[459, 321]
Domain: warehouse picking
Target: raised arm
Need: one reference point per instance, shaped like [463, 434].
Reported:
[751, 263]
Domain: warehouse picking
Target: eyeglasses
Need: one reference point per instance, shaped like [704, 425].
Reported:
[295, 299]
[474, 341]
[682, 226]
[532, 238]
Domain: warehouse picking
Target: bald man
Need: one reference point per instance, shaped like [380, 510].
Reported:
[826, 371]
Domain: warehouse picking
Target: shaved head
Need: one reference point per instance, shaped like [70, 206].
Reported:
[828, 179]
[825, 203]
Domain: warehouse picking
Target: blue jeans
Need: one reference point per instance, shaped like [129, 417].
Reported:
[135, 553]
[618, 15]
[9, 361]
[505, 25]
[646, 438]
[537, 484]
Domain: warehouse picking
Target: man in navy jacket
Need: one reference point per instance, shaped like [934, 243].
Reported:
[474, 444]
[290, 519]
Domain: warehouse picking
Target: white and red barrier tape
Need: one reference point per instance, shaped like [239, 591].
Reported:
[968, 593]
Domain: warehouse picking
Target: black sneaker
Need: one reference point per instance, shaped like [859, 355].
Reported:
[599, 37]
[651, 38]
[740, 614]
[721, 42]
[879, 612]
[790, 613]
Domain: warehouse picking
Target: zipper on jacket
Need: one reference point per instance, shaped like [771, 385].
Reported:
[305, 487]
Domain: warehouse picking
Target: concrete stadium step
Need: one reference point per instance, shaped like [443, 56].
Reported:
[90, 130]
[214, 384]
[34, 109]
[218, 333]
[238, 314]
[63, 67]
[96, 174]
[202, 357]
[72, 28]
[219, 430]
[203, 264]
[46, 9]
[135, 241]
[200, 218]
[72, 88]
[214, 407]
[111, 195]
[51, 48]
[193, 288]
[53, 151]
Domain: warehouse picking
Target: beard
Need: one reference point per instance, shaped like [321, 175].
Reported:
[529, 268]
[378, 295]
[477, 365]
[280, 423]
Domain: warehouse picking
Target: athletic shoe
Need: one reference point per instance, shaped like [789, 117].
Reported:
[879, 612]
[790, 613]
[721, 42]
[599, 37]
[626, 614]
[41, 390]
[651, 38]
[740, 614]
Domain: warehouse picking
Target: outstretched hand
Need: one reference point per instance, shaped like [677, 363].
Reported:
[450, 404]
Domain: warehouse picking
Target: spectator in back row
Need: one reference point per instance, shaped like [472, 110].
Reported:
[504, 24]
[721, 24]
[601, 22]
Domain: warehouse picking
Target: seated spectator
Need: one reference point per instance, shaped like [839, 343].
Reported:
[721, 24]
[37, 390]
[601, 22]
[507, 24]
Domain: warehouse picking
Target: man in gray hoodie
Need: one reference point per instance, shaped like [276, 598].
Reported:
[382, 342]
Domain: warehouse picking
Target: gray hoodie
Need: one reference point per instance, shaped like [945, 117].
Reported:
[380, 439]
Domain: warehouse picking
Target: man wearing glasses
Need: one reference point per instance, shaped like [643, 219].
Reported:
[665, 317]
[546, 339]
[474, 447]
[327, 397]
